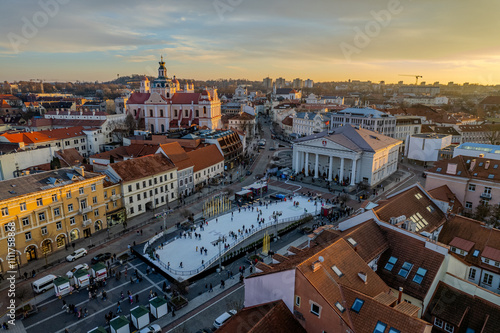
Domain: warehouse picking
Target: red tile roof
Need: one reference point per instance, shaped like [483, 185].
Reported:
[138, 98]
[370, 239]
[468, 168]
[491, 253]
[185, 98]
[125, 152]
[177, 155]
[142, 167]
[462, 244]
[443, 193]
[44, 136]
[269, 317]
[461, 309]
[288, 121]
[205, 157]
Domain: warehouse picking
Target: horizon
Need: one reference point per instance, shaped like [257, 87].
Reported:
[69, 41]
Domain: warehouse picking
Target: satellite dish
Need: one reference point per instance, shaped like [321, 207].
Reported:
[321, 259]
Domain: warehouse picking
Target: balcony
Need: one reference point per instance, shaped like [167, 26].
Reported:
[87, 222]
[115, 197]
[485, 196]
[85, 210]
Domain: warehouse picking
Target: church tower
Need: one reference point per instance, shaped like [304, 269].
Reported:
[163, 85]
[162, 70]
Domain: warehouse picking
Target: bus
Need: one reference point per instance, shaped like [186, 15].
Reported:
[44, 284]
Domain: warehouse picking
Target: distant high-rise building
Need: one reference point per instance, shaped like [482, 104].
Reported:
[436, 83]
[400, 82]
[267, 82]
[423, 83]
[280, 83]
[308, 83]
[298, 83]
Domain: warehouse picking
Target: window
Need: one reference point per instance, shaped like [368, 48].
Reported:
[113, 192]
[297, 301]
[352, 241]
[58, 225]
[94, 200]
[315, 309]
[72, 221]
[54, 197]
[393, 330]
[439, 169]
[92, 187]
[143, 183]
[139, 208]
[5, 211]
[22, 206]
[337, 270]
[430, 208]
[390, 263]
[131, 210]
[130, 200]
[145, 195]
[358, 303]
[491, 176]
[80, 190]
[150, 182]
[41, 216]
[70, 207]
[468, 205]
[487, 279]
[130, 188]
[472, 187]
[68, 195]
[420, 275]
[405, 270]
[448, 328]
[96, 212]
[380, 327]
[27, 236]
[26, 221]
[476, 253]
[44, 230]
[105, 194]
[115, 204]
[57, 212]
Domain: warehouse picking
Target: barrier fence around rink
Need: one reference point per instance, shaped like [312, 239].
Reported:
[235, 243]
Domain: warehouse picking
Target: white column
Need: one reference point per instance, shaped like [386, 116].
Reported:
[316, 165]
[353, 178]
[306, 167]
[296, 158]
[330, 169]
[341, 175]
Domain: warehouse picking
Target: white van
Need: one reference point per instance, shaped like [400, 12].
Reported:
[43, 284]
[223, 318]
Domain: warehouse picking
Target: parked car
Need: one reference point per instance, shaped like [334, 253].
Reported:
[70, 273]
[77, 254]
[151, 329]
[100, 257]
[220, 320]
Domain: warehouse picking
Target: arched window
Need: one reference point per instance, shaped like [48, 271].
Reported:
[197, 113]
[152, 128]
[175, 113]
[162, 128]
[151, 113]
[204, 110]
[135, 113]
[186, 113]
[161, 113]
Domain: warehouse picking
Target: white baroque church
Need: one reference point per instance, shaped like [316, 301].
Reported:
[164, 105]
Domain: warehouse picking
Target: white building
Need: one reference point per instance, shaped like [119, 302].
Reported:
[438, 100]
[425, 147]
[478, 150]
[287, 93]
[308, 83]
[147, 182]
[337, 100]
[407, 126]
[347, 154]
[367, 118]
[178, 156]
[307, 123]
[163, 105]
[208, 164]
[11, 163]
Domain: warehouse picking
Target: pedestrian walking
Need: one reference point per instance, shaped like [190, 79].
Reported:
[119, 308]
[211, 288]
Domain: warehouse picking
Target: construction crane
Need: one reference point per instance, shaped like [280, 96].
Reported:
[415, 76]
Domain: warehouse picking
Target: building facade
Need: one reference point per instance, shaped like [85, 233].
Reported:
[348, 155]
[368, 118]
[48, 211]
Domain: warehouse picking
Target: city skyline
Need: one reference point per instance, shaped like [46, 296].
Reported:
[373, 40]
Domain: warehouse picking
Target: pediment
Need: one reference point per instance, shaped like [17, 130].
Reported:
[325, 143]
[155, 98]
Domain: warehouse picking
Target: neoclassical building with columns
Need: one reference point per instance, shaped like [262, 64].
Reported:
[347, 154]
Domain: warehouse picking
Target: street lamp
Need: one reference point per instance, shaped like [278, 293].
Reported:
[164, 214]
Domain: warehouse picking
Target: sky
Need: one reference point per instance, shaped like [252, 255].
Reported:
[322, 40]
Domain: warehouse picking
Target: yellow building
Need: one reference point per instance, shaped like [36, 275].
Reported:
[115, 211]
[50, 210]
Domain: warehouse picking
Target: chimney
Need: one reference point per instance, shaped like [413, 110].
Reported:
[363, 277]
[486, 165]
[82, 171]
[316, 265]
[472, 165]
[400, 294]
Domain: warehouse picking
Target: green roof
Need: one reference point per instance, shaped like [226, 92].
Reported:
[81, 272]
[98, 266]
[119, 322]
[158, 301]
[98, 330]
[139, 311]
[61, 280]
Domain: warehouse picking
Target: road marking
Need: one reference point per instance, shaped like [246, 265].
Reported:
[194, 315]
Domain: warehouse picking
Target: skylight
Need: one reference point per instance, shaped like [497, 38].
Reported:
[418, 196]
[420, 275]
[491, 176]
[380, 327]
[340, 307]
[459, 173]
[439, 169]
[405, 270]
[393, 330]
[476, 253]
[358, 303]
[352, 241]
[475, 174]
[390, 264]
[393, 260]
[495, 166]
[337, 271]
[481, 164]
[430, 208]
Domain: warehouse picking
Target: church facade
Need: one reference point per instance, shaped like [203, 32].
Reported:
[164, 105]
